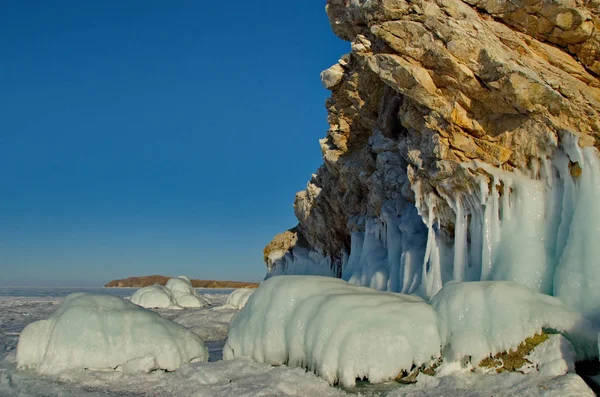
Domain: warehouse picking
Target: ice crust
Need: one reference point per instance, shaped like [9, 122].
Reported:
[338, 330]
[487, 317]
[106, 332]
[177, 293]
[238, 298]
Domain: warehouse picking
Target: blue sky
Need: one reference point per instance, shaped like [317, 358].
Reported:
[155, 137]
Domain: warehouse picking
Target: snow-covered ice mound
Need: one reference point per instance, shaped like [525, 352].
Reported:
[338, 330]
[154, 296]
[487, 317]
[238, 298]
[106, 332]
[177, 293]
[184, 293]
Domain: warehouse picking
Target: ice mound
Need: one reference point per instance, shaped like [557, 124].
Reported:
[184, 293]
[338, 330]
[238, 298]
[154, 296]
[482, 318]
[106, 332]
[177, 293]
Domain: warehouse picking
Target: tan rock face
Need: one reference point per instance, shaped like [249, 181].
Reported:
[429, 85]
[282, 243]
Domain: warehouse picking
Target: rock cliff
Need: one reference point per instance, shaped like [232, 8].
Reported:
[448, 118]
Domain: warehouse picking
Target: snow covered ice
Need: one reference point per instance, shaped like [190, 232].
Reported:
[238, 298]
[340, 331]
[177, 293]
[106, 332]
[154, 296]
[479, 319]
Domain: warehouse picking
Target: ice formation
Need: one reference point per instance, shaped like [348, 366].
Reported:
[238, 298]
[539, 230]
[106, 332]
[553, 357]
[154, 296]
[245, 378]
[300, 260]
[482, 318]
[338, 330]
[177, 293]
[184, 293]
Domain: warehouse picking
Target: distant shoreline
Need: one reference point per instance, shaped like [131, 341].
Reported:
[145, 281]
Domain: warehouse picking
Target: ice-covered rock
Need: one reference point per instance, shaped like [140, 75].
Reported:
[454, 156]
[338, 330]
[177, 293]
[184, 293]
[479, 319]
[554, 357]
[106, 332]
[154, 296]
[238, 298]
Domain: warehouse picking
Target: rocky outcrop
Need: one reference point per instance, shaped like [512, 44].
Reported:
[439, 104]
[146, 281]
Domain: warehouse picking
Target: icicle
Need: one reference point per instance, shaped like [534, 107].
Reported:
[491, 231]
[460, 243]
[432, 278]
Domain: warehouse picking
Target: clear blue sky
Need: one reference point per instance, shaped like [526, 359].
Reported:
[142, 137]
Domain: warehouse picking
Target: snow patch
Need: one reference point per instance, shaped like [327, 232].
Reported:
[338, 330]
[105, 332]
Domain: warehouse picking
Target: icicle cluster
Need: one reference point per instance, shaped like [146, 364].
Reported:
[543, 233]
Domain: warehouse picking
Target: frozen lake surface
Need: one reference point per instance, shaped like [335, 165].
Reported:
[239, 377]
[61, 292]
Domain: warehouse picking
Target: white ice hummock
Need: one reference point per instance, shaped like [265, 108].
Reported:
[106, 332]
[338, 330]
[154, 296]
[479, 319]
[177, 293]
[238, 298]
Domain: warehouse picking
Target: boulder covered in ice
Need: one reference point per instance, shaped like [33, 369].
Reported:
[177, 293]
[336, 329]
[106, 332]
[238, 298]
[154, 296]
[184, 293]
[479, 319]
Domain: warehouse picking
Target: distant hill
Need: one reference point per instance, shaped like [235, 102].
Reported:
[145, 281]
